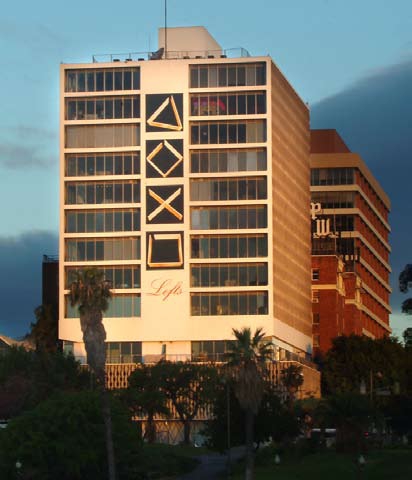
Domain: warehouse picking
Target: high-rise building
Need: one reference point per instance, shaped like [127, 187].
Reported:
[350, 249]
[185, 178]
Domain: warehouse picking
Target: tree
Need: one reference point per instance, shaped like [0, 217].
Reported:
[189, 387]
[351, 414]
[144, 396]
[246, 364]
[44, 333]
[405, 280]
[63, 437]
[29, 377]
[292, 379]
[354, 360]
[273, 420]
[92, 293]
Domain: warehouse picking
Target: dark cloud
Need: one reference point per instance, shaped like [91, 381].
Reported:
[20, 280]
[24, 156]
[374, 117]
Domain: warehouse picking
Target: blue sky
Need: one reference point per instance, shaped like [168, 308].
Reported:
[328, 49]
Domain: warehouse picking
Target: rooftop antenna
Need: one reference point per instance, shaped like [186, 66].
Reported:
[165, 29]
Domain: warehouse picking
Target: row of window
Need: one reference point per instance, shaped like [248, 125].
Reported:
[228, 275]
[245, 103]
[96, 249]
[244, 303]
[123, 352]
[206, 350]
[233, 160]
[334, 199]
[102, 80]
[250, 188]
[79, 193]
[233, 75]
[332, 176]
[250, 131]
[90, 221]
[102, 136]
[119, 277]
[214, 218]
[120, 306]
[102, 108]
[231, 246]
[102, 164]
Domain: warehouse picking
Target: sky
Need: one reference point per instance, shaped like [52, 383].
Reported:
[350, 61]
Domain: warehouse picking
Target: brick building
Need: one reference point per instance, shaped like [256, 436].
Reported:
[350, 249]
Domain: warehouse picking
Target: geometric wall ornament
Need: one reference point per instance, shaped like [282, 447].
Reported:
[164, 112]
[164, 250]
[164, 158]
[164, 204]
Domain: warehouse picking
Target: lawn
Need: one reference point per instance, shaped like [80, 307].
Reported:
[385, 464]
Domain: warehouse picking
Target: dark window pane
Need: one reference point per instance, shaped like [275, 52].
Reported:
[99, 81]
[118, 80]
[127, 80]
[108, 77]
[90, 81]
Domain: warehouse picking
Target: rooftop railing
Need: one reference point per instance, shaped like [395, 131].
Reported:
[237, 52]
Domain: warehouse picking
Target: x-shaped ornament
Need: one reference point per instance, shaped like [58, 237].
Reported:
[165, 204]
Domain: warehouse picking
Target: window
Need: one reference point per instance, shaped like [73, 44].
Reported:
[245, 103]
[101, 136]
[233, 160]
[96, 249]
[248, 188]
[315, 296]
[334, 199]
[209, 350]
[90, 221]
[233, 303]
[79, 193]
[315, 273]
[316, 340]
[228, 274]
[218, 75]
[332, 176]
[230, 246]
[220, 218]
[119, 277]
[123, 352]
[315, 318]
[102, 164]
[246, 131]
[120, 306]
[100, 108]
[99, 80]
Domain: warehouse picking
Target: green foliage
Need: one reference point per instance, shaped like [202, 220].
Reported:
[273, 421]
[145, 395]
[44, 333]
[350, 414]
[28, 377]
[189, 386]
[63, 438]
[355, 359]
[405, 281]
[246, 362]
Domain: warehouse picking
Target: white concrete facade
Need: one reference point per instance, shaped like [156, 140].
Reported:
[165, 317]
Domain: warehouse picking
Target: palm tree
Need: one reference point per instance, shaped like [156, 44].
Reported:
[91, 293]
[246, 363]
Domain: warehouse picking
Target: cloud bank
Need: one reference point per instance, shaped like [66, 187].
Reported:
[374, 117]
[20, 279]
